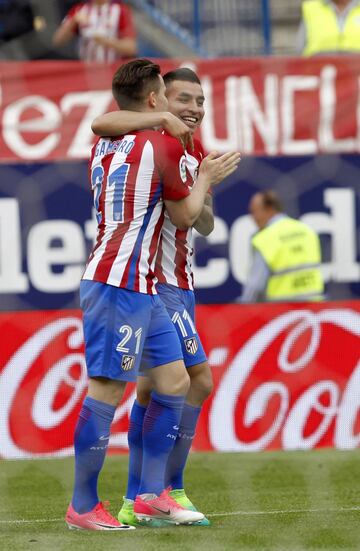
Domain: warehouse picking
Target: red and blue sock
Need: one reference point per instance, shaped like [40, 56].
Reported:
[91, 442]
[160, 429]
[135, 440]
[179, 454]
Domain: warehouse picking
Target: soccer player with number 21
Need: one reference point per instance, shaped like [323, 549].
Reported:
[134, 175]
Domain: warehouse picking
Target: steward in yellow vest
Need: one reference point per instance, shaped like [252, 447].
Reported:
[287, 255]
[331, 26]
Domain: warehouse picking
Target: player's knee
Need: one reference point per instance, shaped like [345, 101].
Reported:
[143, 396]
[106, 390]
[201, 384]
[181, 384]
[206, 387]
[202, 389]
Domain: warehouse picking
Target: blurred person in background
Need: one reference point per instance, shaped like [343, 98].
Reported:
[286, 255]
[329, 26]
[104, 28]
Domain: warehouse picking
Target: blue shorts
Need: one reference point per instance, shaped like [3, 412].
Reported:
[180, 305]
[121, 326]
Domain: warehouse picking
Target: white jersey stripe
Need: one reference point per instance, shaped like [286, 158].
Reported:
[145, 249]
[129, 176]
[141, 198]
[125, 250]
[176, 247]
[118, 159]
[168, 250]
[94, 262]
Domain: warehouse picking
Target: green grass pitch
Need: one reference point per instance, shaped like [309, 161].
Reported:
[260, 501]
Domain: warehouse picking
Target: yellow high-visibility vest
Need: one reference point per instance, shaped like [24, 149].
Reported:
[292, 252]
[323, 32]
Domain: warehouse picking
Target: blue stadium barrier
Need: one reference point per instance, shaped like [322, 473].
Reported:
[215, 28]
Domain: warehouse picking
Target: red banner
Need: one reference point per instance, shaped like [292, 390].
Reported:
[269, 106]
[286, 377]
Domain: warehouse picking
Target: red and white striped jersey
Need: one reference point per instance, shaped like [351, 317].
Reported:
[130, 176]
[112, 19]
[173, 262]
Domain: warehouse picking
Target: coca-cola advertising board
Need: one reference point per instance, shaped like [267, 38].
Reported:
[286, 377]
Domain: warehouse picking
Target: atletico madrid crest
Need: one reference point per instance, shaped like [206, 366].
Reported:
[191, 345]
[127, 363]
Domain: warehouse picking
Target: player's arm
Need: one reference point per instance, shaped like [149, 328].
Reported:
[183, 213]
[116, 123]
[68, 27]
[205, 222]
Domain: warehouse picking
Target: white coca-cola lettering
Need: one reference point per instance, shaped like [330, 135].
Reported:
[344, 437]
[309, 321]
[16, 369]
[332, 398]
[222, 420]
[43, 414]
[293, 432]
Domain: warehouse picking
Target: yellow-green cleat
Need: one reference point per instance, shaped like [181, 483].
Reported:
[127, 516]
[182, 499]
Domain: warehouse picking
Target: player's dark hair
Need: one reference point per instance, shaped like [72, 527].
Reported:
[183, 73]
[271, 200]
[134, 81]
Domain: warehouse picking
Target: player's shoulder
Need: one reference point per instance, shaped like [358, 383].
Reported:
[150, 133]
[169, 144]
[155, 137]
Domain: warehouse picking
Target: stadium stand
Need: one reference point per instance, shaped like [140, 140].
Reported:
[177, 29]
[228, 27]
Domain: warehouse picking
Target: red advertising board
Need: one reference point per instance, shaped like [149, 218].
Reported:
[265, 106]
[286, 377]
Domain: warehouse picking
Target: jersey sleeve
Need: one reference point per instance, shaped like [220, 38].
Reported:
[72, 12]
[176, 178]
[126, 23]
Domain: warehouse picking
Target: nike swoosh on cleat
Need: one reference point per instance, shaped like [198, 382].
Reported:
[109, 527]
[161, 510]
[104, 437]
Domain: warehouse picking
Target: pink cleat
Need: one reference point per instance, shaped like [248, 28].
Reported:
[98, 518]
[164, 508]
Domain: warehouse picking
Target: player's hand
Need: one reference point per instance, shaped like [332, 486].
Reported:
[101, 39]
[217, 168]
[80, 18]
[179, 130]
